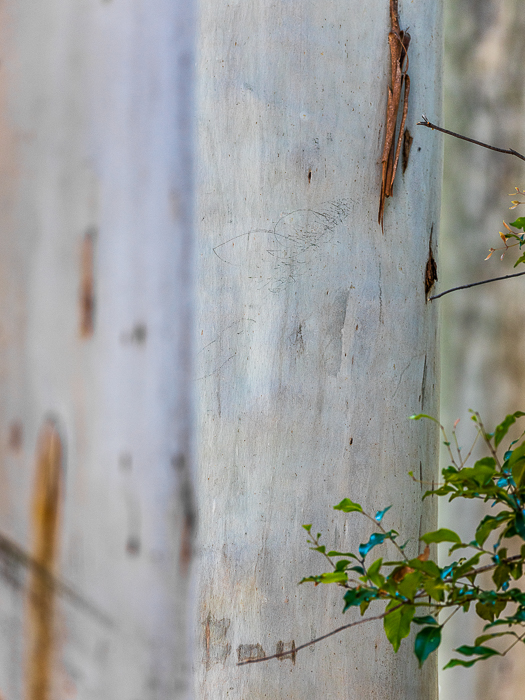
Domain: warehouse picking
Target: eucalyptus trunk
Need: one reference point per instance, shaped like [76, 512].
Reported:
[316, 342]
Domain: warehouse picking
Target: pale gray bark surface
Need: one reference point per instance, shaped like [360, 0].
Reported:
[315, 341]
[95, 184]
[483, 346]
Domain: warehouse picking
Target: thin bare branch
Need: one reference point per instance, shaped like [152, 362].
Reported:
[319, 639]
[475, 284]
[508, 151]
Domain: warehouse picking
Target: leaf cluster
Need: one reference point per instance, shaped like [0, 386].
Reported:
[421, 594]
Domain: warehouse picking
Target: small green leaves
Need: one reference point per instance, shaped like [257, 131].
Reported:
[480, 651]
[503, 428]
[519, 223]
[441, 535]
[406, 585]
[397, 622]
[427, 641]
[348, 506]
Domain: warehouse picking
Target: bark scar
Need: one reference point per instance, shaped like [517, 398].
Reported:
[431, 275]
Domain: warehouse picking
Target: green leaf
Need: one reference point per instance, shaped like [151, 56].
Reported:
[521, 259]
[333, 553]
[425, 620]
[488, 524]
[380, 514]
[429, 567]
[419, 416]
[503, 428]
[348, 506]
[435, 589]
[307, 528]
[486, 637]
[519, 524]
[441, 535]
[397, 623]
[466, 567]
[364, 607]
[489, 609]
[374, 575]
[519, 223]
[481, 651]
[501, 574]
[427, 641]
[375, 539]
[355, 596]
[516, 463]
[410, 585]
[334, 577]
[478, 650]
[342, 564]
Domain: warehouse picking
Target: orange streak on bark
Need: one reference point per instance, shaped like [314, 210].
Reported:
[45, 514]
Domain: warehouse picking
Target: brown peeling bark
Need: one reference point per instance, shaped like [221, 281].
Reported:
[45, 515]
[431, 275]
[399, 41]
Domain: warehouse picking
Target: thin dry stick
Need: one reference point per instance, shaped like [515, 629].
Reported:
[319, 639]
[508, 151]
[475, 284]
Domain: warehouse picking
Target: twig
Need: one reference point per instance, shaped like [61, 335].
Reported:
[319, 639]
[488, 567]
[378, 524]
[508, 151]
[519, 639]
[475, 284]
[487, 440]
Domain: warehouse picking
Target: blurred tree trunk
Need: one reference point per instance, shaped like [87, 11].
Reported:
[96, 513]
[483, 346]
[316, 343]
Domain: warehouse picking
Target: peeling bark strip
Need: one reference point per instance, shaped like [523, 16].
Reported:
[399, 41]
[45, 524]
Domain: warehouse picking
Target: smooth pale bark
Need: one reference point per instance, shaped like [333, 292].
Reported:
[316, 343]
[483, 341]
[95, 310]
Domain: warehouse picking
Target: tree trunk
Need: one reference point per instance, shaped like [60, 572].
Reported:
[96, 509]
[316, 342]
[483, 337]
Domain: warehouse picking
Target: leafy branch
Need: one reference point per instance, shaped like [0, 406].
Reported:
[407, 585]
[505, 236]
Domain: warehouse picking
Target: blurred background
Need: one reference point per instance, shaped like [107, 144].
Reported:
[482, 328]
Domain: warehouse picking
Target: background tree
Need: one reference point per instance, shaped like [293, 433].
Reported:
[95, 432]
[483, 342]
[316, 343]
